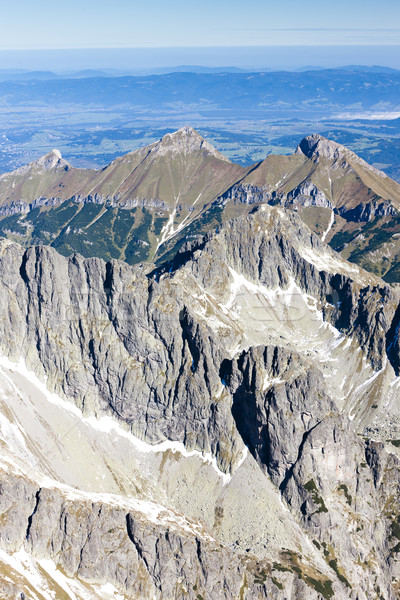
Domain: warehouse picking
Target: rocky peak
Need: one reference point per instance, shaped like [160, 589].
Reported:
[317, 146]
[48, 162]
[185, 141]
[51, 160]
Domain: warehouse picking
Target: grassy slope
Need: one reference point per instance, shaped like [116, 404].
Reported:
[185, 183]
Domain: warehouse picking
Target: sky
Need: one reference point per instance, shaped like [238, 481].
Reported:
[93, 34]
[181, 23]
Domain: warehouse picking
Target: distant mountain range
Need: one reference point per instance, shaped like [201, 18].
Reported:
[26, 75]
[146, 204]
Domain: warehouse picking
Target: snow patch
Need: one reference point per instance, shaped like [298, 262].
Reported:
[270, 382]
[331, 222]
[327, 262]
[26, 566]
[107, 424]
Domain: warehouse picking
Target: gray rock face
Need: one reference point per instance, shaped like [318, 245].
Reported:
[247, 194]
[367, 211]
[315, 146]
[313, 456]
[99, 543]
[164, 352]
[305, 194]
[364, 308]
[276, 396]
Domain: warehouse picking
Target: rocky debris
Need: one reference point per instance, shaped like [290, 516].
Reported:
[127, 340]
[96, 542]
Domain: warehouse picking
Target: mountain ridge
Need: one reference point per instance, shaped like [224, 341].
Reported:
[150, 199]
[238, 404]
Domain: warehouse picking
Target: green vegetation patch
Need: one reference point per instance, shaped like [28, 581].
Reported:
[334, 565]
[48, 223]
[317, 499]
[395, 530]
[260, 576]
[323, 587]
[86, 215]
[13, 224]
[158, 224]
[123, 224]
[308, 574]
[138, 247]
[277, 583]
[210, 220]
[340, 239]
[279, 567]
[343, 488]
[329, 555]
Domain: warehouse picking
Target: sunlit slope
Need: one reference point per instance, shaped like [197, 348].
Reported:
[145, 204]
[48, 177]
[126, 210]
[181, 168]
[323, 173]
[341, 197]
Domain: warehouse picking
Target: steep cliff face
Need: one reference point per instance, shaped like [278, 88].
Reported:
[235, 404]
[317, 461]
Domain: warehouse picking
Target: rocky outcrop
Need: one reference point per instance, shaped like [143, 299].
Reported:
[276, 395]
[247, 194]
[326, 473]
[356, 305]
[316, 146]
[367, 211]
[132, 342]
[132, 349]
[22, 207]
[97, 542]
[306, 194]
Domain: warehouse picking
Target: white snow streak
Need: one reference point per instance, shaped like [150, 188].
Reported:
[107, 424]
[331, 222]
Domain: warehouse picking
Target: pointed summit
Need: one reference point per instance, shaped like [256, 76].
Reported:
[52, 160]
[316, 145]
[185, 140]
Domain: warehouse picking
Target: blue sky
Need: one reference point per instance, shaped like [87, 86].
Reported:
[178, 23]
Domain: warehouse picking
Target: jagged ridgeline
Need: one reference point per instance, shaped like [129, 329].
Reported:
[220, 421]
[145, 204]
[223, 426]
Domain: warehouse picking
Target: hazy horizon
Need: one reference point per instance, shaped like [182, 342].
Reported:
[246, 57]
